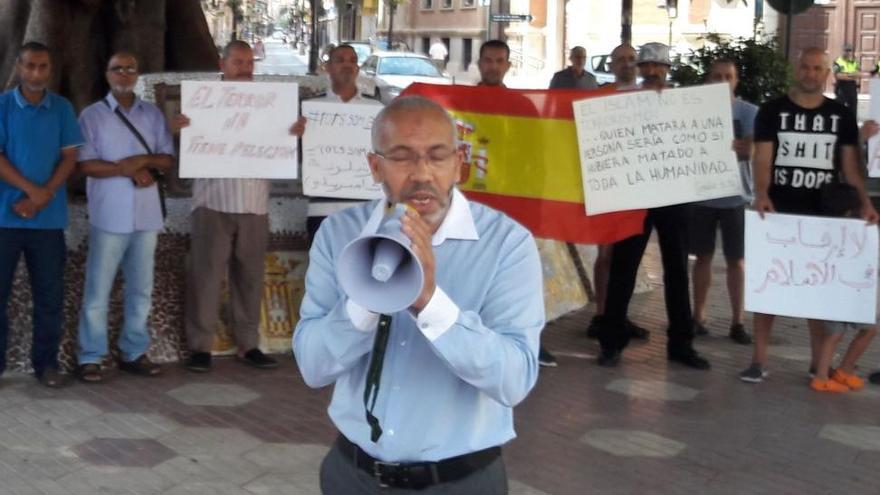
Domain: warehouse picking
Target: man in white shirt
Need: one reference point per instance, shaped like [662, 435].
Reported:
[438, 53]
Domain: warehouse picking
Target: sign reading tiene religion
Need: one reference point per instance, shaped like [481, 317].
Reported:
[335, 147]
[644, 149]
[238, 130]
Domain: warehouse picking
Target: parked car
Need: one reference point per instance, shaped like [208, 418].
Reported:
[386, 74]
[598, 66]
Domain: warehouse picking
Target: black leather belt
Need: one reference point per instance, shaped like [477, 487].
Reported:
[417, 475]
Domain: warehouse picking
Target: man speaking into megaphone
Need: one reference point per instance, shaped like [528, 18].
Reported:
[423, 395]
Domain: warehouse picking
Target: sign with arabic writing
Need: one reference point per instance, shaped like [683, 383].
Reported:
[644, 149]
[811, 267]
[238, 130]
[335, 147]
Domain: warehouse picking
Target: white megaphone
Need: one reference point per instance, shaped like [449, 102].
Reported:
[379, 271]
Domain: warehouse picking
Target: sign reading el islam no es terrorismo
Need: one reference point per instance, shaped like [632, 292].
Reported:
[238, 130]
[644, 149]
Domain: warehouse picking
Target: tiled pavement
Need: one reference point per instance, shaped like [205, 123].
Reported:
[644, 428]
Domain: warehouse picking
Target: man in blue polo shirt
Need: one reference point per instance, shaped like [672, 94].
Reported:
[39, 136]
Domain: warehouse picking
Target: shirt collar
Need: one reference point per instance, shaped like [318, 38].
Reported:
[114, 103]
[458, 224]
[22, 101]
[357, 95]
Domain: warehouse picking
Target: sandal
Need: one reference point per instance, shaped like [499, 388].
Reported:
[90, 373]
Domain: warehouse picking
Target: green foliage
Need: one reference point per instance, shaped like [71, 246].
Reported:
[764, 72]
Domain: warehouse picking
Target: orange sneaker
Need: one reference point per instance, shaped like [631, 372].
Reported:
[850, 380]
[827, 386]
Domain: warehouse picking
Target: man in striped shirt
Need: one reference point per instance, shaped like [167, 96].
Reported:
[229, 236]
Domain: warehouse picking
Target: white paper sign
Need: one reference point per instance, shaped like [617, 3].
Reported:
[238, 130]
[646, 149]
[874, 141]
[335, 148]
[811, 267]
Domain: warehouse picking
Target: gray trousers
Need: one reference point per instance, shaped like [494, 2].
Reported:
[225, 244]
[339, 476]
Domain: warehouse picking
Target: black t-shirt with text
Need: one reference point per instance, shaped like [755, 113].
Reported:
[806, 149]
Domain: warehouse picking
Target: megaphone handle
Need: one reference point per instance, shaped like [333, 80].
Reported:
[374, 375]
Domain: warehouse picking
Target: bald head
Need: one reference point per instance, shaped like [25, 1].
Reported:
[811, 71]
[623, 64]
[407, 105]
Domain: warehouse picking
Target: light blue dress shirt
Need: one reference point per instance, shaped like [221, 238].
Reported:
[31, 138]
[115, 204]
[451, 376]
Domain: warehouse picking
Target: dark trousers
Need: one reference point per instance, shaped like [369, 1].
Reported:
[671, 223]
[44, 255]
[847, 93]
[339, 476]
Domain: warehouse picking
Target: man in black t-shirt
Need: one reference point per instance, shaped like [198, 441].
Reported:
[803, 141]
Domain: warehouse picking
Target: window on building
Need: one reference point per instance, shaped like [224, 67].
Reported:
[426, 45]
[427, 4]
[467, 48]
[445, 4]
[468, 4]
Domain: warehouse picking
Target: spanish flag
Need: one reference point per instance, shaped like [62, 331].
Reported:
[521, 157]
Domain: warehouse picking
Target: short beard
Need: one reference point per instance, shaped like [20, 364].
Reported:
[121, 89]
[34, 88]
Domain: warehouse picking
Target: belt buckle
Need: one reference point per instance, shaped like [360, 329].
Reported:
[384, 478]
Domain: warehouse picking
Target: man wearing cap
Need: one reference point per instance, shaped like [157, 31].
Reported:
[574, 76]
[846, 78]
[671, 224]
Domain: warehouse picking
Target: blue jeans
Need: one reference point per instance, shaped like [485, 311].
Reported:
[44, 255]
[107, 251]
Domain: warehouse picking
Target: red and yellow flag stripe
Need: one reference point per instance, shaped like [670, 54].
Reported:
[521, 156]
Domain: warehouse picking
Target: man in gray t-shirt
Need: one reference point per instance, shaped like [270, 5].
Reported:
[726, 213]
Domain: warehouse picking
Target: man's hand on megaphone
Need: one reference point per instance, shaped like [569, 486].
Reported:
[420, 234]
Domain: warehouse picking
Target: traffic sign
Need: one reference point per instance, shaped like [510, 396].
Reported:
[511, 18]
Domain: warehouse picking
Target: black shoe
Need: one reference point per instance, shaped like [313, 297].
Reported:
[608, 358]
[593, 328]
[199, 362]
[636, 331]
[874, 378]
[701, 330]
[141, 366]
[547, 359]
[257, 359]
[739, 335]
[689, 358]
[53, 378]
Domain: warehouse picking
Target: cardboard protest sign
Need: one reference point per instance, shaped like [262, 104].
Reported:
[646, 149]
[874, 141]
[811, 267]
[238, 130]
[335, 148]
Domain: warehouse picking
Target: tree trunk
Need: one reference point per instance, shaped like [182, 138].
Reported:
[392, 9]
[83, 34]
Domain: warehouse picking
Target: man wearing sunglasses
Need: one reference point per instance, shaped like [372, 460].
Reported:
[127, 145]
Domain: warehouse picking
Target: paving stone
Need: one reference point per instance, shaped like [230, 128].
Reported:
[114, 480]
[652, 390]
[53, 412]
[229, 469]
[288, 458]
[518, 488]
[210, 441]
[632, 443]
[123, 452]
[40, 464]
[862, 437]
[799, 353]
[284, 484]
[206, 489]
[213, 394]
[128, 425]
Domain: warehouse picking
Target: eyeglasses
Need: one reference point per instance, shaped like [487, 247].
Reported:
[119, 69]
[435, 158]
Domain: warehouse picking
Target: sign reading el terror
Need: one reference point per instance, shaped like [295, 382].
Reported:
[811, 267]
[238, 130]
[645, 149]
[335, 148]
